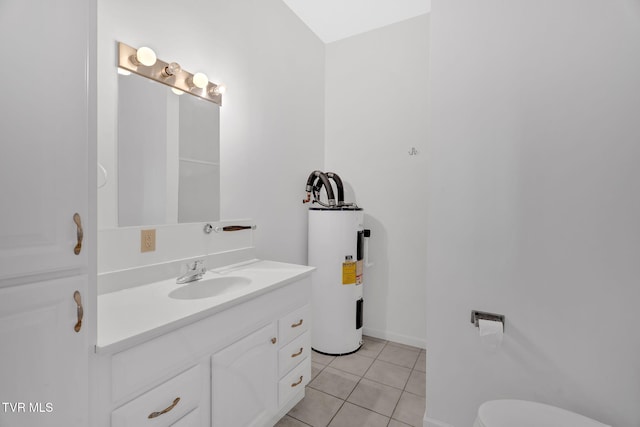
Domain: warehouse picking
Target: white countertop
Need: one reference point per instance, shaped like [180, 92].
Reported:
[131, 316]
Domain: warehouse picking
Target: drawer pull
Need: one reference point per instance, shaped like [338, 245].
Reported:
[297, 383]
[79, 233]
[298, 353]
[274, 340]
[80, 311]
[167, 409]
[295, 325]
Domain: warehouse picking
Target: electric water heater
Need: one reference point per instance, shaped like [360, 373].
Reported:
[336, 249]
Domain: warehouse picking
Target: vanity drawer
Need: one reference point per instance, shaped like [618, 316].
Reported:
[164, 398]
[294, 381]
[294, 324]
[293, 353]
[136, 369]
[192, 419]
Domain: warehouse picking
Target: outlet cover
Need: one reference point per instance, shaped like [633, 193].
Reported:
[147, 240]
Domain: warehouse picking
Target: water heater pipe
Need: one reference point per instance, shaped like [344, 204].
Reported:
[324, 181]
[339, 186]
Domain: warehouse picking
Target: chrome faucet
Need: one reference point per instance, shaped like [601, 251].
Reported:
[194, 272]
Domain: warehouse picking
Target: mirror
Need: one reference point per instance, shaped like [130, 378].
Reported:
[168, 155]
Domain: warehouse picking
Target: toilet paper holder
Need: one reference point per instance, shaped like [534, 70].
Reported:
[477, 315]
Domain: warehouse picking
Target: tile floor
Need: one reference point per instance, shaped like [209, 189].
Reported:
[383, 384]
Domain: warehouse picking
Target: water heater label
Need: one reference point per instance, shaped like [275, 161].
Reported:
[359, 272]
[348, 273]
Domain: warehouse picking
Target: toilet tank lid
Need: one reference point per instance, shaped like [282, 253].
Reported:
[522, 413]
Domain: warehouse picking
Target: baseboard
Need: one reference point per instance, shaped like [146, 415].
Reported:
[390, 336]
[430, 422]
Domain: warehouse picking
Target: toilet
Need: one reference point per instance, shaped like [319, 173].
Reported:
[521, 413]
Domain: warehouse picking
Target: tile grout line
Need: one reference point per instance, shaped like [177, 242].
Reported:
[334, 415]
[358, 382]
[404, 390]
[300, 421]
[356, 386]
[323, 368]
[291, 416]
[384, 361]
[360, 377]
[351, 392]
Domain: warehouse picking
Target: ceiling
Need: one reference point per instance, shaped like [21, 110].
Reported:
[333, 20]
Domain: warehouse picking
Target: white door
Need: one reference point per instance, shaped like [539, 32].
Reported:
[43, 359]
[43, 134]
[244, 381]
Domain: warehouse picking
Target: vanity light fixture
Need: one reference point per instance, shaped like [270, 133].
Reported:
[143, 61]
[144, 56]
[199, 80]
[218, 89]
[171, 70]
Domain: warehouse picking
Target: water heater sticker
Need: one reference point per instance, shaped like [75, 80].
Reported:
[348, 272]
[359, 272]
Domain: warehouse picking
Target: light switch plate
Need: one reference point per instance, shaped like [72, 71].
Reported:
[147, 240]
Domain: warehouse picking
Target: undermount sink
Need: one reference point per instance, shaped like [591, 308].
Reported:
[210, 287]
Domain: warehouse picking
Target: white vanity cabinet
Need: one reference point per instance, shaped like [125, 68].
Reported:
[261, 374]
[244, 380]
[245, 365]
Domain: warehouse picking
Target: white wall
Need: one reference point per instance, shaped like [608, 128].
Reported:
[272, 119]
[534, 205]
[376, 111]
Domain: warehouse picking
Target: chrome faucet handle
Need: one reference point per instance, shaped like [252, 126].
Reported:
[194, 272]
[199, 267]
[196, 266]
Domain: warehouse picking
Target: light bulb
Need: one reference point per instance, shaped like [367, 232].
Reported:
[171, 69]
[200, 80]
[124, 72]
[146, 56]
[219, 89]
[176, 91]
